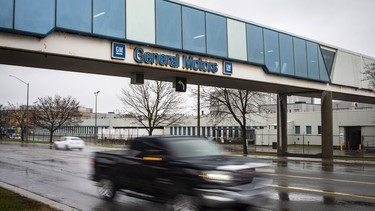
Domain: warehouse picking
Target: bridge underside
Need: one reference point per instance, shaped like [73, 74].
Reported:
[66, 63]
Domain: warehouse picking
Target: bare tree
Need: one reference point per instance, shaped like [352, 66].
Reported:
[51, 113]
[153, 104]
[369, 73]
[3, 120]
[236, 104]
[19, 117]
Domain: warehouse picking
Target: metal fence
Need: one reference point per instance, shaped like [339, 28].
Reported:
[231, 143]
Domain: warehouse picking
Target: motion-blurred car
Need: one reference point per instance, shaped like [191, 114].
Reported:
[186, 173]
[69, 142]
[15, 136]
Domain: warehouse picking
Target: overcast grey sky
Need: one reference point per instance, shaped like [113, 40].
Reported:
[347, 24]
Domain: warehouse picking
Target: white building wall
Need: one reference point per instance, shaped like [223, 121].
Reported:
[349, 70]
[265, 128]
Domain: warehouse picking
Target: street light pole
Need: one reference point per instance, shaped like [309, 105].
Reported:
[27, 105]
[199, 111]
[96, 113]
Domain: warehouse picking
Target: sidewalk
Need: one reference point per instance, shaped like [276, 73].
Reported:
[314, 151]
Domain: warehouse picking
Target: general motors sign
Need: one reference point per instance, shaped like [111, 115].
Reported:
[118, 50]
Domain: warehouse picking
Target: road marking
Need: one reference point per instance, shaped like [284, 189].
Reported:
[325, 192]
[326, 179]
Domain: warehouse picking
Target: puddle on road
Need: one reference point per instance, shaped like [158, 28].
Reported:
[356, 203]
[11, 166]
[50, 161]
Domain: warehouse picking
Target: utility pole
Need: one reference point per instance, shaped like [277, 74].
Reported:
[27, 107]
[96, 116]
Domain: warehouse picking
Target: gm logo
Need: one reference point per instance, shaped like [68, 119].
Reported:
[228, 68]
[118, 50]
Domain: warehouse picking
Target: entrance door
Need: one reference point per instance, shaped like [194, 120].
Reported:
[353, 138]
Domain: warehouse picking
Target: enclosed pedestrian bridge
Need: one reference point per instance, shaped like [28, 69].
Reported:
[165, 40]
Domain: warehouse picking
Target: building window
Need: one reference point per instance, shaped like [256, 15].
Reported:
[271, 47]
[189, 131]
[286, 54]
[312, 60]
[255, 48]
[208, 131]
[74, 15]
[6, 14]
[175, 130]
[216, 35]
[323, 74]
[184, 131]
[230, 135]
[203, 131]
[236, 132]
[300, 57]
[319, 129]
[213, 131]
[193, 131]
[179, 130]
[171, 131]
[36, 17]
[328, 57]
[308, 130]
[194, 30]
[218, 131]
[168, 24]
[297, 130]
[109, 18]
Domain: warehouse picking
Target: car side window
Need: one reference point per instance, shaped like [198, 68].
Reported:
[145, 148]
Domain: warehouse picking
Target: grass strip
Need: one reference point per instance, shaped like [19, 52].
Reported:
[11, 201]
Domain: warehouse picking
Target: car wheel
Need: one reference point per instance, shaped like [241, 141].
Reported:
[184, 203]
[106, 189]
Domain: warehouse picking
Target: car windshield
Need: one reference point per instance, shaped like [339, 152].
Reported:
[194, 148]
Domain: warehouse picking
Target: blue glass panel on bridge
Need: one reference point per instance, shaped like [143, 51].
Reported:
[271, 47]
[328, 57]
[322, 69]
[74, 15]
[194, 30]
[216, 35]
[109, 18]
[6, 14]
[312, 60]
[34, 16]
[255, 48]
[286, 54]
[168, 24]
[300, 59]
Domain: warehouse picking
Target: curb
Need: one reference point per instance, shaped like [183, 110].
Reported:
[320, 160]
[36, 197]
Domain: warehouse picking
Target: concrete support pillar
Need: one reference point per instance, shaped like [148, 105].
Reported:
[327, 125]
[282, 125]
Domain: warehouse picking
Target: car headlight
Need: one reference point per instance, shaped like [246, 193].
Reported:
[217, 176]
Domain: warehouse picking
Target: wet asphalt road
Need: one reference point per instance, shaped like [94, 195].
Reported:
[63, 176]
